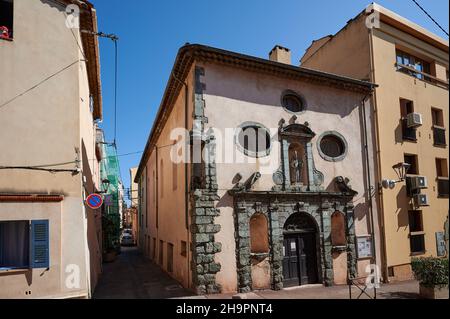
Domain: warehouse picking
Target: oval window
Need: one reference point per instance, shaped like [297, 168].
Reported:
[292, 102]
[332, 147]
[254, 140]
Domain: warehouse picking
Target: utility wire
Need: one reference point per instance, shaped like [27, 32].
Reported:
[65, 163]
[421, 8]
[39, 84]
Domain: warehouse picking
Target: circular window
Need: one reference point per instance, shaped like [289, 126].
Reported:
[293, 102]
[332, 146]
[253, 139]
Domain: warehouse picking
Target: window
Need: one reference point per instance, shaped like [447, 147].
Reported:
[161, 252]
[332, 146]
[438, 127]
[293, 102]
[154, 249]
[416, 234]
[442, 177]
[169, 257]
[174, 176]
[183, 251]
[407, 107]
[161, 168]
[412, 65]
[259, 234]
[253, 139]
[24, 244]
[338, 237]
[411, 160]
[6, 19]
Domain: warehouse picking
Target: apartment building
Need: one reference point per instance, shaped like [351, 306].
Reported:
[410, 65]
[50, 103]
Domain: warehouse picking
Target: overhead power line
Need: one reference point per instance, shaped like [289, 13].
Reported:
[429, 15]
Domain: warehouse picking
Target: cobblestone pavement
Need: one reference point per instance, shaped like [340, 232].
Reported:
[132, 276]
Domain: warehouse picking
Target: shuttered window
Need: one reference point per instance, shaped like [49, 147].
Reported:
[39, 244]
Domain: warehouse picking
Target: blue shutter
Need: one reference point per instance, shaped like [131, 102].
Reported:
[39, 244]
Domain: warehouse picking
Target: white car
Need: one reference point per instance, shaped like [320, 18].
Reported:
[127, 240]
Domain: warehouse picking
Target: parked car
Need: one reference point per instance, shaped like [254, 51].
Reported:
[127, 240]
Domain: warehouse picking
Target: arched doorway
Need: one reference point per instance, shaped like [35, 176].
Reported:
[300, 251]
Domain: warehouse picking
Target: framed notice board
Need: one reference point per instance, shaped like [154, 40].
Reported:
[364, 247]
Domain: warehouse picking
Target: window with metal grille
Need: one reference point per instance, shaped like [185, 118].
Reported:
[438, 127]
[442, 177]
[6, 19]
[416, 233]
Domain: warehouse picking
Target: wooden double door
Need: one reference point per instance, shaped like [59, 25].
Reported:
[300, 259]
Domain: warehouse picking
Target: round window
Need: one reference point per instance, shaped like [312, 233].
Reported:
[332, 146]
[253, 140]
[293, 102]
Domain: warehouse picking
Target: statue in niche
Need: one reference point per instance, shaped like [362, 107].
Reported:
[297, 166]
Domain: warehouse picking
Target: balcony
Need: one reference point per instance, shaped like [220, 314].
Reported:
[407, 69]
[442, 187]
[439, 136]
[408, 133]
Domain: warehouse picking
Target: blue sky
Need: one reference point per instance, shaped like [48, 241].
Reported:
[151, 33]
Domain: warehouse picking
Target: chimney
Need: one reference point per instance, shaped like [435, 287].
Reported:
[280, 54]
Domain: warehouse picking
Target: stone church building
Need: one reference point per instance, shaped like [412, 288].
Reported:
[281, 195]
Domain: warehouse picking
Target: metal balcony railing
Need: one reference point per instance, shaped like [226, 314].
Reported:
[408, 133]
[442, 186]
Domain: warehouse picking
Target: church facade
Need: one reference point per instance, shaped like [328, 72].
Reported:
[282, 193]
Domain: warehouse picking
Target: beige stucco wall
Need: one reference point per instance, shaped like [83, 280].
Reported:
[395, 85]
[162, 198]
[355, 39]
[233, 97]
[44, 126]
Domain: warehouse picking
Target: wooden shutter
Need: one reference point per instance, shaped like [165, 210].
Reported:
[39, 244]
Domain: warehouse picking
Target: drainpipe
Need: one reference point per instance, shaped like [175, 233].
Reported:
[186, 171]
[369, 181]
[384, 269]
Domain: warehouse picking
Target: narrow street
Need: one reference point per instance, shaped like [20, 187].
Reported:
[132, 276]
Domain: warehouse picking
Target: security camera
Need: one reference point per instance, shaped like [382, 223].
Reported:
[388, 184]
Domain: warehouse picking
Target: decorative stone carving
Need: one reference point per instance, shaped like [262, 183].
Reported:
[343, 185]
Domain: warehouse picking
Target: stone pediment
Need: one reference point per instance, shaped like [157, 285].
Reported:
[297, 130]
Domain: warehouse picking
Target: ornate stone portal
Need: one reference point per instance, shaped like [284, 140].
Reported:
[301, 194]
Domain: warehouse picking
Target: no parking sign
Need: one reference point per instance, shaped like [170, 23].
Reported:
[94, 201]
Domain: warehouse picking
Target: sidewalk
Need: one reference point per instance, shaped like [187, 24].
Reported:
[399, 290]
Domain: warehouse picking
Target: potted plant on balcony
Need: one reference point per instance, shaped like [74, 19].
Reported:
[432, 274]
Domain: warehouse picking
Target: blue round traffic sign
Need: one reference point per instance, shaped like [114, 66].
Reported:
[94, 201]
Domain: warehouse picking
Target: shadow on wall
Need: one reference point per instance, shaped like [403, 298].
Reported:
[225, 201]
[28, 273]
[402, 212]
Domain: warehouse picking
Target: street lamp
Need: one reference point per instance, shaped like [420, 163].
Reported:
[105, 186]
[401, 169]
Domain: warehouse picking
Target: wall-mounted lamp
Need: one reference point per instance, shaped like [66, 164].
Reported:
[105, 186]
[401, 169]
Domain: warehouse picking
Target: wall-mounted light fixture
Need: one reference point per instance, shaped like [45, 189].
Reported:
[401, 169]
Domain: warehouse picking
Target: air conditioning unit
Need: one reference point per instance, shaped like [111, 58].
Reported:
[414, 120]
[421, 200]
[418, 182]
